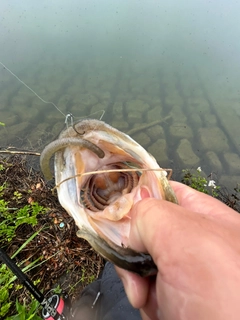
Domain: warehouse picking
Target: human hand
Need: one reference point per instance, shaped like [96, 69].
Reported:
[196, 247]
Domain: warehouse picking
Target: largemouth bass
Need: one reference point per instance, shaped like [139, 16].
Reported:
[100, 174]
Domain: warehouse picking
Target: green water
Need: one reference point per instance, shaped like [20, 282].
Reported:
[136, 61]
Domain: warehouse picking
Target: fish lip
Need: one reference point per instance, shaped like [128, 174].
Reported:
[125, 258]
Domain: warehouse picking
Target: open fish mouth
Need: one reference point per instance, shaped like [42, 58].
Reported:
[101, 173]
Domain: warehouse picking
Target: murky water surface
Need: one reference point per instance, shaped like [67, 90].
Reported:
[139, 61]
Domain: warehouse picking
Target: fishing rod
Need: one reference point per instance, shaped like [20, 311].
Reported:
[55, 307]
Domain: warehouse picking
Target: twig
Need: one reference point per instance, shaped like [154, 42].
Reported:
[148, 125]
[31, 153]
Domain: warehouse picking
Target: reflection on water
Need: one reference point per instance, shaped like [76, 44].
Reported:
[135, 83]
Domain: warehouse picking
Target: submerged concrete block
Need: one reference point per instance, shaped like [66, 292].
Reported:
[231, 123]
[232, 162]
[136, 106]
[98, 109]
[195, 121]
[214, 162]
[210, 120]
[159, 150]
[120, 125]
[199, 105]
[156, 132]
[213, 139]
[18, 131]
[186, 155]
[8, 118]
[180, 130]
[230, 181]
[142, 138]
[178, 114]
[154, 113]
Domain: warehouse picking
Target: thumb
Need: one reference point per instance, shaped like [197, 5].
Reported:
[150, 223]
[164, 229]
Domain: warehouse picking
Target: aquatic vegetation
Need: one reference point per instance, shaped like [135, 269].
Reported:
[196, 179]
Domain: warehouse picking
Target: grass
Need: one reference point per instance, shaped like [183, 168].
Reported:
[197, 180]
[8, 284]
[12, 218]
[31, 231]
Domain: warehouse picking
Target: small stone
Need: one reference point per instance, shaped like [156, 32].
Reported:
[214, 162]
[61, 225]
[186, 155]
[233, 162]
[213, 139]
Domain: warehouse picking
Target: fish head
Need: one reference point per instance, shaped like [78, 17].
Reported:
[99, 182]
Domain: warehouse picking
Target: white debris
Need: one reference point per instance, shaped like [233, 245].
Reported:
[212, 183]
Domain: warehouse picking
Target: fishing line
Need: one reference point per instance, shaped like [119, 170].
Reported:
[68, 117]
[167, 173]
[47, 102]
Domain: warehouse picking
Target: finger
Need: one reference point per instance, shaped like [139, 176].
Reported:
[203, 203]
[158, 225]
[135, 286]
[141, 293]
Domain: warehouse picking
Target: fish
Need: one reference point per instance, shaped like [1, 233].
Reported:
[100, 174]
